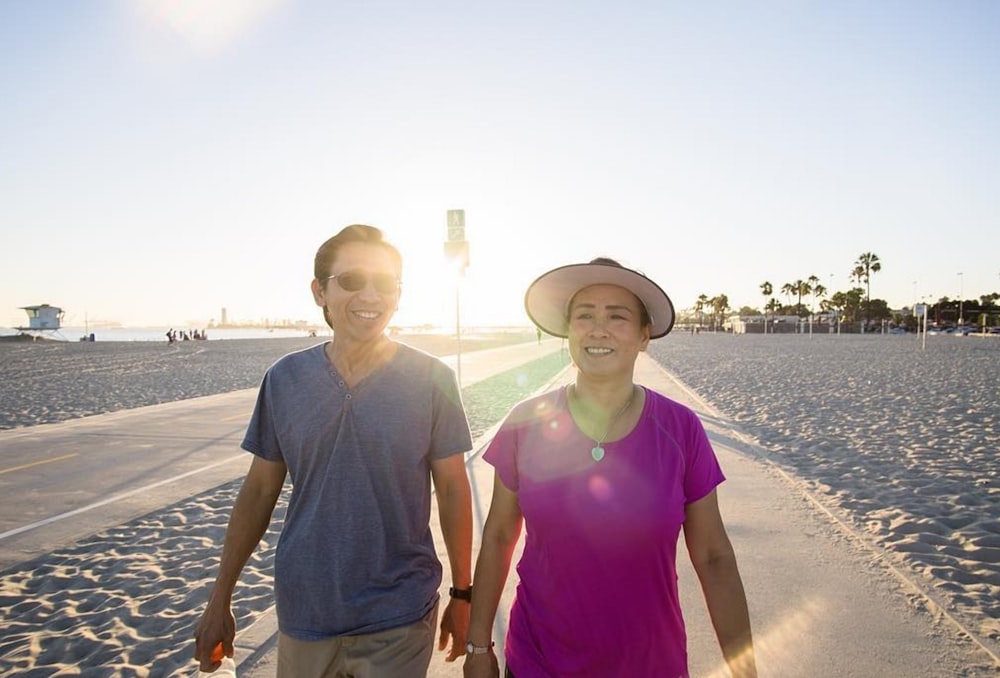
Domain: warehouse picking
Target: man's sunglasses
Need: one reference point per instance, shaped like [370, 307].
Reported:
[353, 281]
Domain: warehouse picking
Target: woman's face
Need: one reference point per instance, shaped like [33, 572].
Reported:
[363, 310]
[605, 330]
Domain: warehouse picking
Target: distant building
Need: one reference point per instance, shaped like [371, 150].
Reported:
[42, 317]
[780, 324]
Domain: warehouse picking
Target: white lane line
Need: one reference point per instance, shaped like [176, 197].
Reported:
[111, 500]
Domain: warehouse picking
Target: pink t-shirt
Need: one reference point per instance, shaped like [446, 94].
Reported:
[598, 582]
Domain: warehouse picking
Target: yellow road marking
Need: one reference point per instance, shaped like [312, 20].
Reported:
[37, 463]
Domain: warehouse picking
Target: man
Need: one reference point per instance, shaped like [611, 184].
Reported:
[361, 424]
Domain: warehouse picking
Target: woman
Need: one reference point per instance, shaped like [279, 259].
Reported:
[603, 473]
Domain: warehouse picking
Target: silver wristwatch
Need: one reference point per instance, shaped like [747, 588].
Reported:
[477, 649]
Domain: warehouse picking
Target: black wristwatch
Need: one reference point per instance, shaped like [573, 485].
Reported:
[461, 594]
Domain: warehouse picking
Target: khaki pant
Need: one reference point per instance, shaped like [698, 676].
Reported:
[397, 653]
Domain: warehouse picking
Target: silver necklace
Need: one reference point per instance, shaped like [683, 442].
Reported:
[597, 453]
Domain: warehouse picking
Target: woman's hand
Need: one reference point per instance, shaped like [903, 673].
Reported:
[481, 666]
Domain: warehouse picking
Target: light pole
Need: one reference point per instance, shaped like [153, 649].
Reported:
[830, 292]
[456, 249]
[961, 293]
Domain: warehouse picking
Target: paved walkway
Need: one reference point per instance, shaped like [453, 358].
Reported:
[60, 483]
[822, 603]
[55, 484]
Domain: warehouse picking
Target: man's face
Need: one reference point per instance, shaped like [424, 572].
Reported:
[363, 297]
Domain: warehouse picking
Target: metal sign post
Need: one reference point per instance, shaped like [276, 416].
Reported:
[456, 250]
[920, 310]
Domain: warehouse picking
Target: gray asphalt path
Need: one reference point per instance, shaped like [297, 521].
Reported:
[823, 604]
[61, 482]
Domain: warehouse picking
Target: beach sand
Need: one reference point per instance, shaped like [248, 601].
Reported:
[52, 381]
[898, 443]
[124, 601]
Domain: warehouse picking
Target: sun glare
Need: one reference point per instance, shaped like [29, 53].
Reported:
[438, 294]
[208, 25]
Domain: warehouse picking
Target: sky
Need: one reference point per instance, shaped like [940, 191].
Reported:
[161, 160]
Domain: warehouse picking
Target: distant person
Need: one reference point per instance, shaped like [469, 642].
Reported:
[538, 333]
[361, 424]
[603, 474]
[170, 335]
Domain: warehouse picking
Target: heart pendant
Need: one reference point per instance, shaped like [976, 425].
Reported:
[597, 453]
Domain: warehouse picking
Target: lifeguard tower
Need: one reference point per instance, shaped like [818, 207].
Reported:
[42, 318]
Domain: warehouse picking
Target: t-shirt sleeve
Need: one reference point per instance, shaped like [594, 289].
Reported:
[502, 454]
[703, 473]
[450, 433]
[261, 436]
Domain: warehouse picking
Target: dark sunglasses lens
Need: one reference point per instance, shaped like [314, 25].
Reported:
[351, 281]
[384, 284]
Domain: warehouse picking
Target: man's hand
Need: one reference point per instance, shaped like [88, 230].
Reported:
[454, 623]
[214, 637]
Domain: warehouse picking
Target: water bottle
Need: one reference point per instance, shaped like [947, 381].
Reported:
[226, 670]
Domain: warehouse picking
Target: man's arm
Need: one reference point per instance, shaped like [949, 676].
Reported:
[451, 484]
[715, 563]
[249, 520]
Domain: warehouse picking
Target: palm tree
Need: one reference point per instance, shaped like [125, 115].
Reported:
[817, 290]
[866, 264]
[719, 305]
[788, 289]
[699, 306]
[800, 288]
[767, 289]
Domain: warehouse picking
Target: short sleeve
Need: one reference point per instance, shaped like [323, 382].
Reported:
[703, 473]
[450, 432]
[502, 454]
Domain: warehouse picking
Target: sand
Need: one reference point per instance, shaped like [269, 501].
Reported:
[49, 382]
[899, 443]
[903, 444]
[124, 601]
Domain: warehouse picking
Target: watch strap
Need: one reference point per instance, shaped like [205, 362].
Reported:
[478, 649]
[461, 594]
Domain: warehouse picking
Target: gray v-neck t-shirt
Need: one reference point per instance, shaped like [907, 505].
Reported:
[356, 554]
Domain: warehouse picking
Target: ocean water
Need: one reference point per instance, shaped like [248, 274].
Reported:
[160, 333]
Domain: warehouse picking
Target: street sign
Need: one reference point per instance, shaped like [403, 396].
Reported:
[456, 225]
[456, 247]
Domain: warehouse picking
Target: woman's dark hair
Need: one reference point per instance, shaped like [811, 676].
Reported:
[327, 252]
[644, 318]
